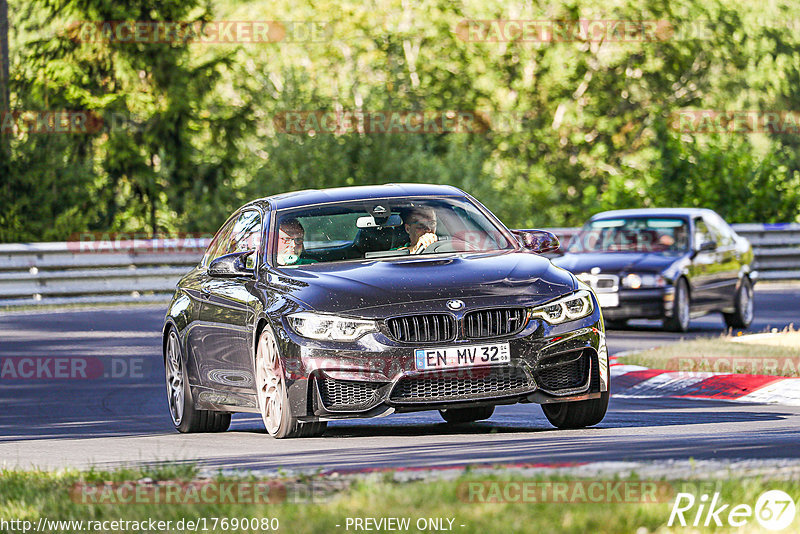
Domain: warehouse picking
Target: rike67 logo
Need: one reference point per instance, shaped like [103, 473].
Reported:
[774, 510]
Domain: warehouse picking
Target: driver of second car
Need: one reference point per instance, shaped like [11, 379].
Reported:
[420, 225]
[291, 250]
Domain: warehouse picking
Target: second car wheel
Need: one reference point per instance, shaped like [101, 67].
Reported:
[273, 399]
[743, 307]
[681, 306]
[467, 415]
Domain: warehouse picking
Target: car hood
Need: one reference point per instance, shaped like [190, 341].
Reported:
[617, 262]
[372, 287]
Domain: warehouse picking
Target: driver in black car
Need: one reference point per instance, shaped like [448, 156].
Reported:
[420, 225]
[291, 249]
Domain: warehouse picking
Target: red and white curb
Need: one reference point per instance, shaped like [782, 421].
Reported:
[636, 382]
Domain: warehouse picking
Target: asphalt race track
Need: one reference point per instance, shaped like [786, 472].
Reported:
[119, 414]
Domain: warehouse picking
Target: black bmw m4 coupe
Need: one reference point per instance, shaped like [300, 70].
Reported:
[356, 302]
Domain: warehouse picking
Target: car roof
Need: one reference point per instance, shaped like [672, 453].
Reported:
[652, 212]
[310, 197]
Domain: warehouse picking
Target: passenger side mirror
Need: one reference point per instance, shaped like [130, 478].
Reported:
[538, 241]
[231, 265]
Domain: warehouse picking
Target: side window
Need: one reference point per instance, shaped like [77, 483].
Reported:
[719, 229]
[701, 233]
[213, 250]
[246, 235]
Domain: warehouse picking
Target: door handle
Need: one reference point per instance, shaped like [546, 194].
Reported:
[205, 292]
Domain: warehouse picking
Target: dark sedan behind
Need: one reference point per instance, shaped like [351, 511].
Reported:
[668, 264]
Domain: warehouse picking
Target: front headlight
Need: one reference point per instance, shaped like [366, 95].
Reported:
[330, 327]
[567, 308]
[635, 281]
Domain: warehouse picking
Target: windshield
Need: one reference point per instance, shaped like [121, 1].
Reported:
[663, 235]
[383, 228]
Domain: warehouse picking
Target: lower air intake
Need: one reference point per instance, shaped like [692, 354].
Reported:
[468, 384]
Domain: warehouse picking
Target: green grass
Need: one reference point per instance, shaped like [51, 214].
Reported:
[719, 355]
[29, 495]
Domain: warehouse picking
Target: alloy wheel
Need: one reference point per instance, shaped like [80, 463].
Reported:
[271, 385]
[174, 370]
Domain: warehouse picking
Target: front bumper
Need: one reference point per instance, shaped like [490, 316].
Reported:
[328, 380]
[651, 303]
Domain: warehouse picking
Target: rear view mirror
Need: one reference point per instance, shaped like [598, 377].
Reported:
[371, 222]
[538, 241]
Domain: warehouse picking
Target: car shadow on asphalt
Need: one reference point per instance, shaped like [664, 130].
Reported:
[623, 413]
[514, 419]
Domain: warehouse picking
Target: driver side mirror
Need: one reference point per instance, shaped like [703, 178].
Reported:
[538, 241]
[231, 265]
[707, 246]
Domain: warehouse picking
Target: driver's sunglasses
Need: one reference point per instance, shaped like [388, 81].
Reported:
[427, 223]
[296, 240]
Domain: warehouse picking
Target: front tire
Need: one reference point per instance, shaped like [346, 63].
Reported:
[577, 414]
[467, 415]
[273, 398]
[681, 306]
[742, 316]
[185, 418]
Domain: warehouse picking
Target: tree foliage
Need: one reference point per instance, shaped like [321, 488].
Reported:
[190, 131]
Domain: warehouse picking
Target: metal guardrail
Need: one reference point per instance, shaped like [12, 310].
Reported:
[147, 270]
[141, 270]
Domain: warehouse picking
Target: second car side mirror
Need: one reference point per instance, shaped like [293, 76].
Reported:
[539, 241]
[231, 265]
[707, 246]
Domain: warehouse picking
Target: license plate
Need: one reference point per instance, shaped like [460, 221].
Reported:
[466, 356]
[608, 300]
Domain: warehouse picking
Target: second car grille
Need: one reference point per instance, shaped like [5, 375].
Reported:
[601, 283]
[348, 394]
[564, 371]
[493, 323]
[476, 384]
[422, 328]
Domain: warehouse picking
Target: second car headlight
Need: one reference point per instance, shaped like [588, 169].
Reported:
[330, 327]
[569, 308]
[635, 281]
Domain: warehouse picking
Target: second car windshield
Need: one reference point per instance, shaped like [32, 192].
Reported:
[663, 235]
[383, 228]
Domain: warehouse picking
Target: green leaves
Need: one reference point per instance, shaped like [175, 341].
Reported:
[189, 129]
